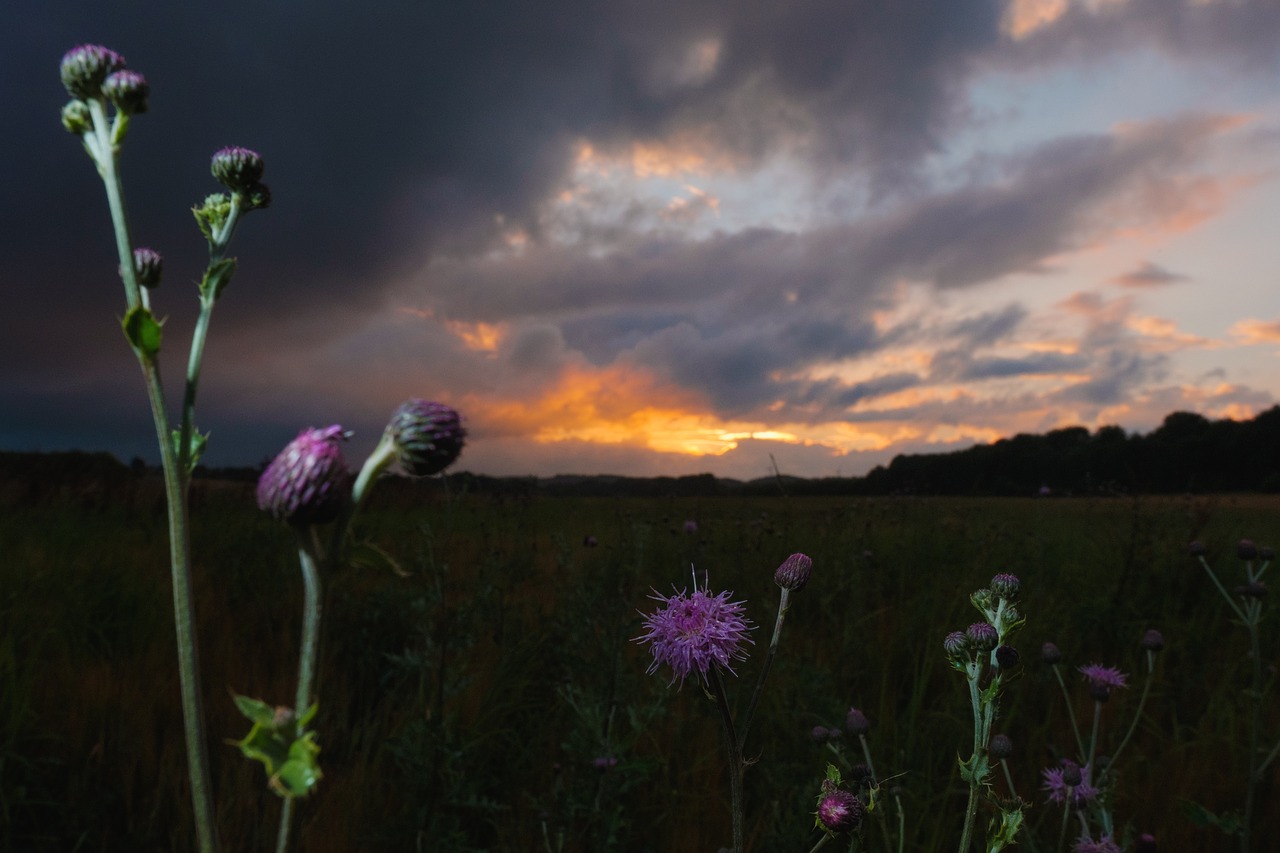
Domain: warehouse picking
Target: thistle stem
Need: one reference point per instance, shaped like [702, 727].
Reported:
[735, 758]
[1071, 713]
[784, 604]
[973, 673]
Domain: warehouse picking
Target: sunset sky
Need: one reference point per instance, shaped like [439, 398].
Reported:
[661, 237]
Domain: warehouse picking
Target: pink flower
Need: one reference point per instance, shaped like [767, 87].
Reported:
[690, 633]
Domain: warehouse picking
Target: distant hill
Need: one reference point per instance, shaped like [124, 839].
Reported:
[1186, 453]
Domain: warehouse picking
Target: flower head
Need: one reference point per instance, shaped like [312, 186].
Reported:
[982, 635]
[148, 264]
[839, 811]
[1153, 640]
[84, 68]
[955, 644]
[1000, 746]
[794, 572]
[856, 722]
[692, 633]
[236, 168]
[1102, 680]
[1058, 788]
[1050, 654]
[1005, 585]
[1103, 845]
[428, 436]
[309, 481]
[128, 90]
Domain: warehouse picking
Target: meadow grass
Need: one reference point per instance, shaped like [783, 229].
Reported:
[478, 661]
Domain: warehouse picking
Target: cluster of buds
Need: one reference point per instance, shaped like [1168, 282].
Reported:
[91, 72]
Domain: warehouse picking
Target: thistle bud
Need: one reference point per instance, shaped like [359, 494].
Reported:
[128, 90]
[839, 811]
[794, 572]
[1000, 746]
[1266, 552]
[148, 265]
[1049, 654]
[309, 481]
[1153, 640]
[1005, 585]
[1196, 548]
[238, 169]
[85, 67]
[955, 644]
[1007, 657]
[1246, 549]
[76, 117]
[982, 635]
[428, 436]
[856, 722]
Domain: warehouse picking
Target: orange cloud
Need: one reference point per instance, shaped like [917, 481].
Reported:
[1249, 332]
[480, 337]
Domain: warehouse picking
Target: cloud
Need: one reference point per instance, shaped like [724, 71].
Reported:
[1148, 274]
[1250, 332]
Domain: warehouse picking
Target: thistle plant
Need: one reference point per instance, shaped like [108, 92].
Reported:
[865, 785]
[984, 655]
[1246, 603]
[702, 635]
[307, 485]
[1084, 786]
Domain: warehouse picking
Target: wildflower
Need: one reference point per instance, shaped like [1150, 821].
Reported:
[1005, 585]
[692, 633]
[84, 68]
[428, 436]
[839, 811]
[1058, 785]
[955, 644]
[1153, 640]
[308, 481]
[128, 90]
[1049, 654]
[238, 169]
[1246, 549]
[148, 264]
[1000, 747]
[1102, 680]
[794, 572]
[1196, 548]
[857, 723]
[605, 762]
[820, 734]
[982, 635]
[1103, 845]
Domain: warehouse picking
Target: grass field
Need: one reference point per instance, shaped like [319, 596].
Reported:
[465, 699]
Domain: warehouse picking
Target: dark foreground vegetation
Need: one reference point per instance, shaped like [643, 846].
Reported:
[478, 662]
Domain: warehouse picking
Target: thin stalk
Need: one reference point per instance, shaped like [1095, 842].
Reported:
[1255, 724]
[974, 671]
[784, 604]
[175, 491]
[735, 758]
[821, 843]
[1093, 737]
[1071, 713]
[871, 768]
[1137, 715]
[1222, 589]
[308, 652]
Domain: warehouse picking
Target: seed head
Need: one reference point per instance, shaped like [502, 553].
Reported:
[856, 722]
[85, 67]
[839, 811]
[428, 436]
[128, 90]
[794, 572]
[309, 482]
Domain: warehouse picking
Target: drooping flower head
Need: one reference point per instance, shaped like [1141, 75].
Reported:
[308, 482]
[692, 633]
[839, 811]
[1102, 680]
[428, 436]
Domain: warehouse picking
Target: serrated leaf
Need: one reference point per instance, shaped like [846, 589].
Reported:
[976, 769]
[255, 710]
[289, 754]
[142, 331]
[216, 277]
[198, 443]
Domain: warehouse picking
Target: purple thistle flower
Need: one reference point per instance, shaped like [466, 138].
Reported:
[238, 169]
[1005, 585]
[1081, 794]
[691, 633]
[856, 722]
[839, 811]
[691, 527]
[605, 762]
[1102, 680]
[1153, 640]
[308, 482]
[982, 635]
[1102, 845]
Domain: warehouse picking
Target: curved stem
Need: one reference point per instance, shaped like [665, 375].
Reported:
[1137, 715]
[1071, 713]
[735, 758]
[783, 605]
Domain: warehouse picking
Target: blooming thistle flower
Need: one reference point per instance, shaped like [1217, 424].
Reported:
[839, 811]
[794, 572]
[692, 633]
[428, 436]
[1102, 680]
[308, 482]
[1082, 793]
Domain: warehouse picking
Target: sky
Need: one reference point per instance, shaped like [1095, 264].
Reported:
[660, 237]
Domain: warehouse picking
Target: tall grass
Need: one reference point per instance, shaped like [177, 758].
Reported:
[476, 666]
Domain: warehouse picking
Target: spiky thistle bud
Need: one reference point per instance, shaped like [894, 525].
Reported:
[238, 169]
[76, 117]
[128, 90]
[856, 722]
[1005, 585]
[955, 644]
[148, 265]
[85, 67]
[1000, 746]
[839, 811]
[428, 436]
[982, 635]
[308, 482]
[794, 572]
[1246, 549]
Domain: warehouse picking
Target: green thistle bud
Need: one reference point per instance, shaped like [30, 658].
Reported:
[955, 644]
[982, 635]
[76, 117]
[212, 214]
[428, 436]
[128, 90]
[309, 482]
[1005, 585]
[238, 169]
[84, 68]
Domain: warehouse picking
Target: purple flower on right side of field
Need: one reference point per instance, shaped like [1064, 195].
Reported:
[1102, 680]
[428, 436]
[692, 633]
[691, 527]
[1057, 788]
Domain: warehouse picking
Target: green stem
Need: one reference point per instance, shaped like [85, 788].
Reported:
[821, 843]
[1222, 589]
[1255, 723]
[308, 653]
[378, 461]
[783, 605]
[735, 758]
[176, 499]
[194, 360]
[1137, 715]
[973, 673]
[1071, 713]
